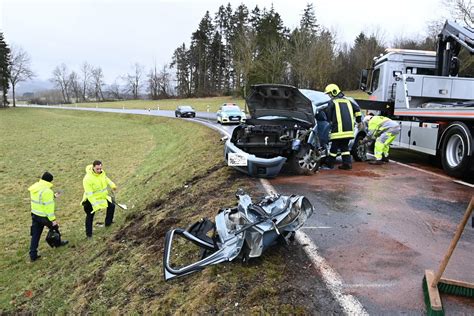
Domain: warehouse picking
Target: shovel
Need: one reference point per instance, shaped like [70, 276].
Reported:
[122, 206]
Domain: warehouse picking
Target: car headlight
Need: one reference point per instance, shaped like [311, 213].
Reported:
[224, 115]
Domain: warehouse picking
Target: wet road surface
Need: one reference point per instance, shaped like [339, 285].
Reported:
[380, 227]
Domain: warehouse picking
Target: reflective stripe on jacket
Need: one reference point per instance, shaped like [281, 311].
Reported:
[42, 199]
[341, 113]
[95, 189]
[378, 124]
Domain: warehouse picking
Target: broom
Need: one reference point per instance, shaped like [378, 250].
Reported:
[433, 283]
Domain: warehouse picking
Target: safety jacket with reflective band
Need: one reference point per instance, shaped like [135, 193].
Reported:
[341, 113]
[42, 199]
[95, 189]
[376, 125]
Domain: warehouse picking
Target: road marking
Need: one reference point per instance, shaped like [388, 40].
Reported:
[371, 285]
[331, 278]
[430, 173]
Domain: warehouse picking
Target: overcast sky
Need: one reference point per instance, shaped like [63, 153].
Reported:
[115, 34]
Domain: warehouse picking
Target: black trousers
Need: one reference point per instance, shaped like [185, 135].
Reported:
[37, 225]
[342, 146]
[109, 216]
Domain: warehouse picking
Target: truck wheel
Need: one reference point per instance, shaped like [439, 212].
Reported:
[359, 149]
[454, 153]
[304, 162]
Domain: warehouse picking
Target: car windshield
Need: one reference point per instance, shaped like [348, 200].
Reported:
[186, 107]
[231, 109]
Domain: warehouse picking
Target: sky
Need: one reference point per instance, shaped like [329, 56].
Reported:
[115, 34]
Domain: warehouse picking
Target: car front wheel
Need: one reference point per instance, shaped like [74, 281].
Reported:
[305, 161]
[359, 148]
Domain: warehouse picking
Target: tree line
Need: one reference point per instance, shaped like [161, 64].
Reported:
[227, 53]
[237, 48]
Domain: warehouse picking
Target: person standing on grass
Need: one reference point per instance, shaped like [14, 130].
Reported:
[42, 212]
[96, 196]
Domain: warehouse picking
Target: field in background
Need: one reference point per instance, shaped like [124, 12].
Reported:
[170, 173]
[199, 104]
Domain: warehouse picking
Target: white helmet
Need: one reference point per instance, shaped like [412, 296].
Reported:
[367, 118]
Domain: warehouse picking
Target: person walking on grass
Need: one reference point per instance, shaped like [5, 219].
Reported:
[384, 130]
[96, 195]
[42, 212]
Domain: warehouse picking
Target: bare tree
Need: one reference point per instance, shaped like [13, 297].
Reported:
[86, 72]
[164, 80]
[153, 83]
[98, 83]
[245, 46]
[20, 68]
[134, 81]
[462, 9]
[115, 91]
[75, 86]
[61, 81]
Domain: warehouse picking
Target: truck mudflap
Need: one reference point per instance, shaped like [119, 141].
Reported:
[245, 230]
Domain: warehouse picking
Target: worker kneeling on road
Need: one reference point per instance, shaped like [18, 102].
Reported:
[96, 196]
[384, 130]
[42, 212]
[341, 112]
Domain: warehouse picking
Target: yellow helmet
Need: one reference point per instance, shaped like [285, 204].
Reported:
[332, 89]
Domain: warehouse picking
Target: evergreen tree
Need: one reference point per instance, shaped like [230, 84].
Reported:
[308, 20]
[181, 62]
[200, 48]
[4, 70]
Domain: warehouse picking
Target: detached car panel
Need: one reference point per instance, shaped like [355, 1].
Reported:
[244, 231]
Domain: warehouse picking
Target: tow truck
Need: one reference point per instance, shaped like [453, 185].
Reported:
[423, 92]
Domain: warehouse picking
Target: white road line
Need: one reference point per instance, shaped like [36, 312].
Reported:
[331, 278]
[430, 173]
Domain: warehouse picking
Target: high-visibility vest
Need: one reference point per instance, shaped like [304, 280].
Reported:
[42, 199]
[375, 124]
[95, 189]
[343, 114]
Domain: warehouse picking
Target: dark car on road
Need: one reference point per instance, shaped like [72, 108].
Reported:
[184, 111]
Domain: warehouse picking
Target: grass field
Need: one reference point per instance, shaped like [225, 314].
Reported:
[199, 104]
[170, 173]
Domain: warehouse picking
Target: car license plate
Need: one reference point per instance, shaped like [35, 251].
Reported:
[234, 118]
[237, 160]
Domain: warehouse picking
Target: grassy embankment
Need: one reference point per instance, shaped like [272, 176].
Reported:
[170, 173]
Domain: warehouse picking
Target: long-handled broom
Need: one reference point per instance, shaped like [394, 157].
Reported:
[433, 283]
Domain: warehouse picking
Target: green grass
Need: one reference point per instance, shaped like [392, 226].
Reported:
[199, 104]
[170, 173]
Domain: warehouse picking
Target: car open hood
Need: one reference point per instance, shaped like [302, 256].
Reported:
[279, 100]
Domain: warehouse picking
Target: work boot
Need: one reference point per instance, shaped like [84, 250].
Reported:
[33, 259]
[345, 166]
[385, 159]
[376, 162]
[64, 243]
[327, 167]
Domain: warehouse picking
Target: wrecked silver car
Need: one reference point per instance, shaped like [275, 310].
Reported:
[244, 231]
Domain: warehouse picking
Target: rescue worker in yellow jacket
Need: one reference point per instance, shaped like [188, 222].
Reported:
[341, 112]
[96, 196]
[384, 131]
[42, 212]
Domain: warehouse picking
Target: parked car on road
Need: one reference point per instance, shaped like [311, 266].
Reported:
[230, 113]
[184, 111]
[286, 126]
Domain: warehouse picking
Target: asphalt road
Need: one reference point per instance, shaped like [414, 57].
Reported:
[380, 227]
